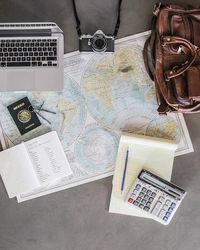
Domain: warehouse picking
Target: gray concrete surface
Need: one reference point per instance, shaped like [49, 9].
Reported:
[77, 219]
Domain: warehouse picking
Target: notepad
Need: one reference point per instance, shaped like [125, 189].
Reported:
[153, 154]
[33, 164]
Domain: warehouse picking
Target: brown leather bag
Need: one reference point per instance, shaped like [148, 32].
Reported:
[172, 58]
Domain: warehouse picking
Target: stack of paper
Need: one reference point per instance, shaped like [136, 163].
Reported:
[153, 154]
[33, 164]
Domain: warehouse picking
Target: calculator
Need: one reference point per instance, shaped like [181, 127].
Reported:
[156, 196]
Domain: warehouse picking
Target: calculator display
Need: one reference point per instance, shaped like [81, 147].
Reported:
[153, 180]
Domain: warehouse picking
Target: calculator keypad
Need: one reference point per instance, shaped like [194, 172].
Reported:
[152, 200]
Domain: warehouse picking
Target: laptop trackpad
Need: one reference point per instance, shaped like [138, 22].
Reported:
[21, 80]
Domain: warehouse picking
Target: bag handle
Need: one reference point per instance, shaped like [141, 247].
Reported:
[166, 40]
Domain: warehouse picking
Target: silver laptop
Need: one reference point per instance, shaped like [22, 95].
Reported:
[31, 57]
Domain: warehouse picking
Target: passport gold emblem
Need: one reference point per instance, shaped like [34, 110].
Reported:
[24, 116]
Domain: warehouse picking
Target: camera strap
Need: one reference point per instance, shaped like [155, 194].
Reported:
[78, 23]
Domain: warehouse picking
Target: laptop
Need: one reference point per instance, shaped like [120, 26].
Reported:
[31, 57]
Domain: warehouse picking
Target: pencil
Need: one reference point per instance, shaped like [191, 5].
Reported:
[124, 173]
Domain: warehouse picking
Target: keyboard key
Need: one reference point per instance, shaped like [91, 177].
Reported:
[132, 195]
[148, 204]
[141, 194]
[167, 202]
[162, 213]
[34, 64]
[55, 59]
[55, 51]
[149, 192]
[173, 205]
[141, 205]
[165, 207]
[165, 218]
[136, 203]
[53, 44]
[146, 208]
[138, 198]
[144, 189]
[138, 186]
[161, 198]
[3, 64]
[150, 199]
[18, 64]
[156, 208]
[153, 194]
[167, 214]
[143, 201]
[146, 196]
[170, 209]
[130, 200]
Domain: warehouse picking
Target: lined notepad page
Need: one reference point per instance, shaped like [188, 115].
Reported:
[153, 154]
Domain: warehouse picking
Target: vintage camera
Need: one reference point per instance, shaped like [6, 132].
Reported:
[99, 42]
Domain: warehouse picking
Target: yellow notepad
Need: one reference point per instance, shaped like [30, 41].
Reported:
[153, 154]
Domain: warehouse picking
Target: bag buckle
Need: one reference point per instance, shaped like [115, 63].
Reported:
[156, 8]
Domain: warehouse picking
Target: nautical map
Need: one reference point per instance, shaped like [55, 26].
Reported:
[104, 94]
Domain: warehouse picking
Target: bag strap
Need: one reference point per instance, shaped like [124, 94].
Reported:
[78, 23]
[168, 40]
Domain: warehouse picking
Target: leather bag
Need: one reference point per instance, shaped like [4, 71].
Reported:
[172, 58]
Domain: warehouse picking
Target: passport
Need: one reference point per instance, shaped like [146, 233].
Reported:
[24, 116]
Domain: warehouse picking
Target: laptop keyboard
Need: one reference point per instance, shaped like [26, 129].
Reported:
[28, 53]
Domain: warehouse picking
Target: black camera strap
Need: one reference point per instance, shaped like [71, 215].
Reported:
[78, 23]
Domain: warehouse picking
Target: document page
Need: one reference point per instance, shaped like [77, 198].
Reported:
[17, 171]
[48, 158]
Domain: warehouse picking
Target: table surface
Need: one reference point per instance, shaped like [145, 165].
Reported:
[78, 218]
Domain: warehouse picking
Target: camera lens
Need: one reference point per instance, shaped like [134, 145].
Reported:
[99, 43]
